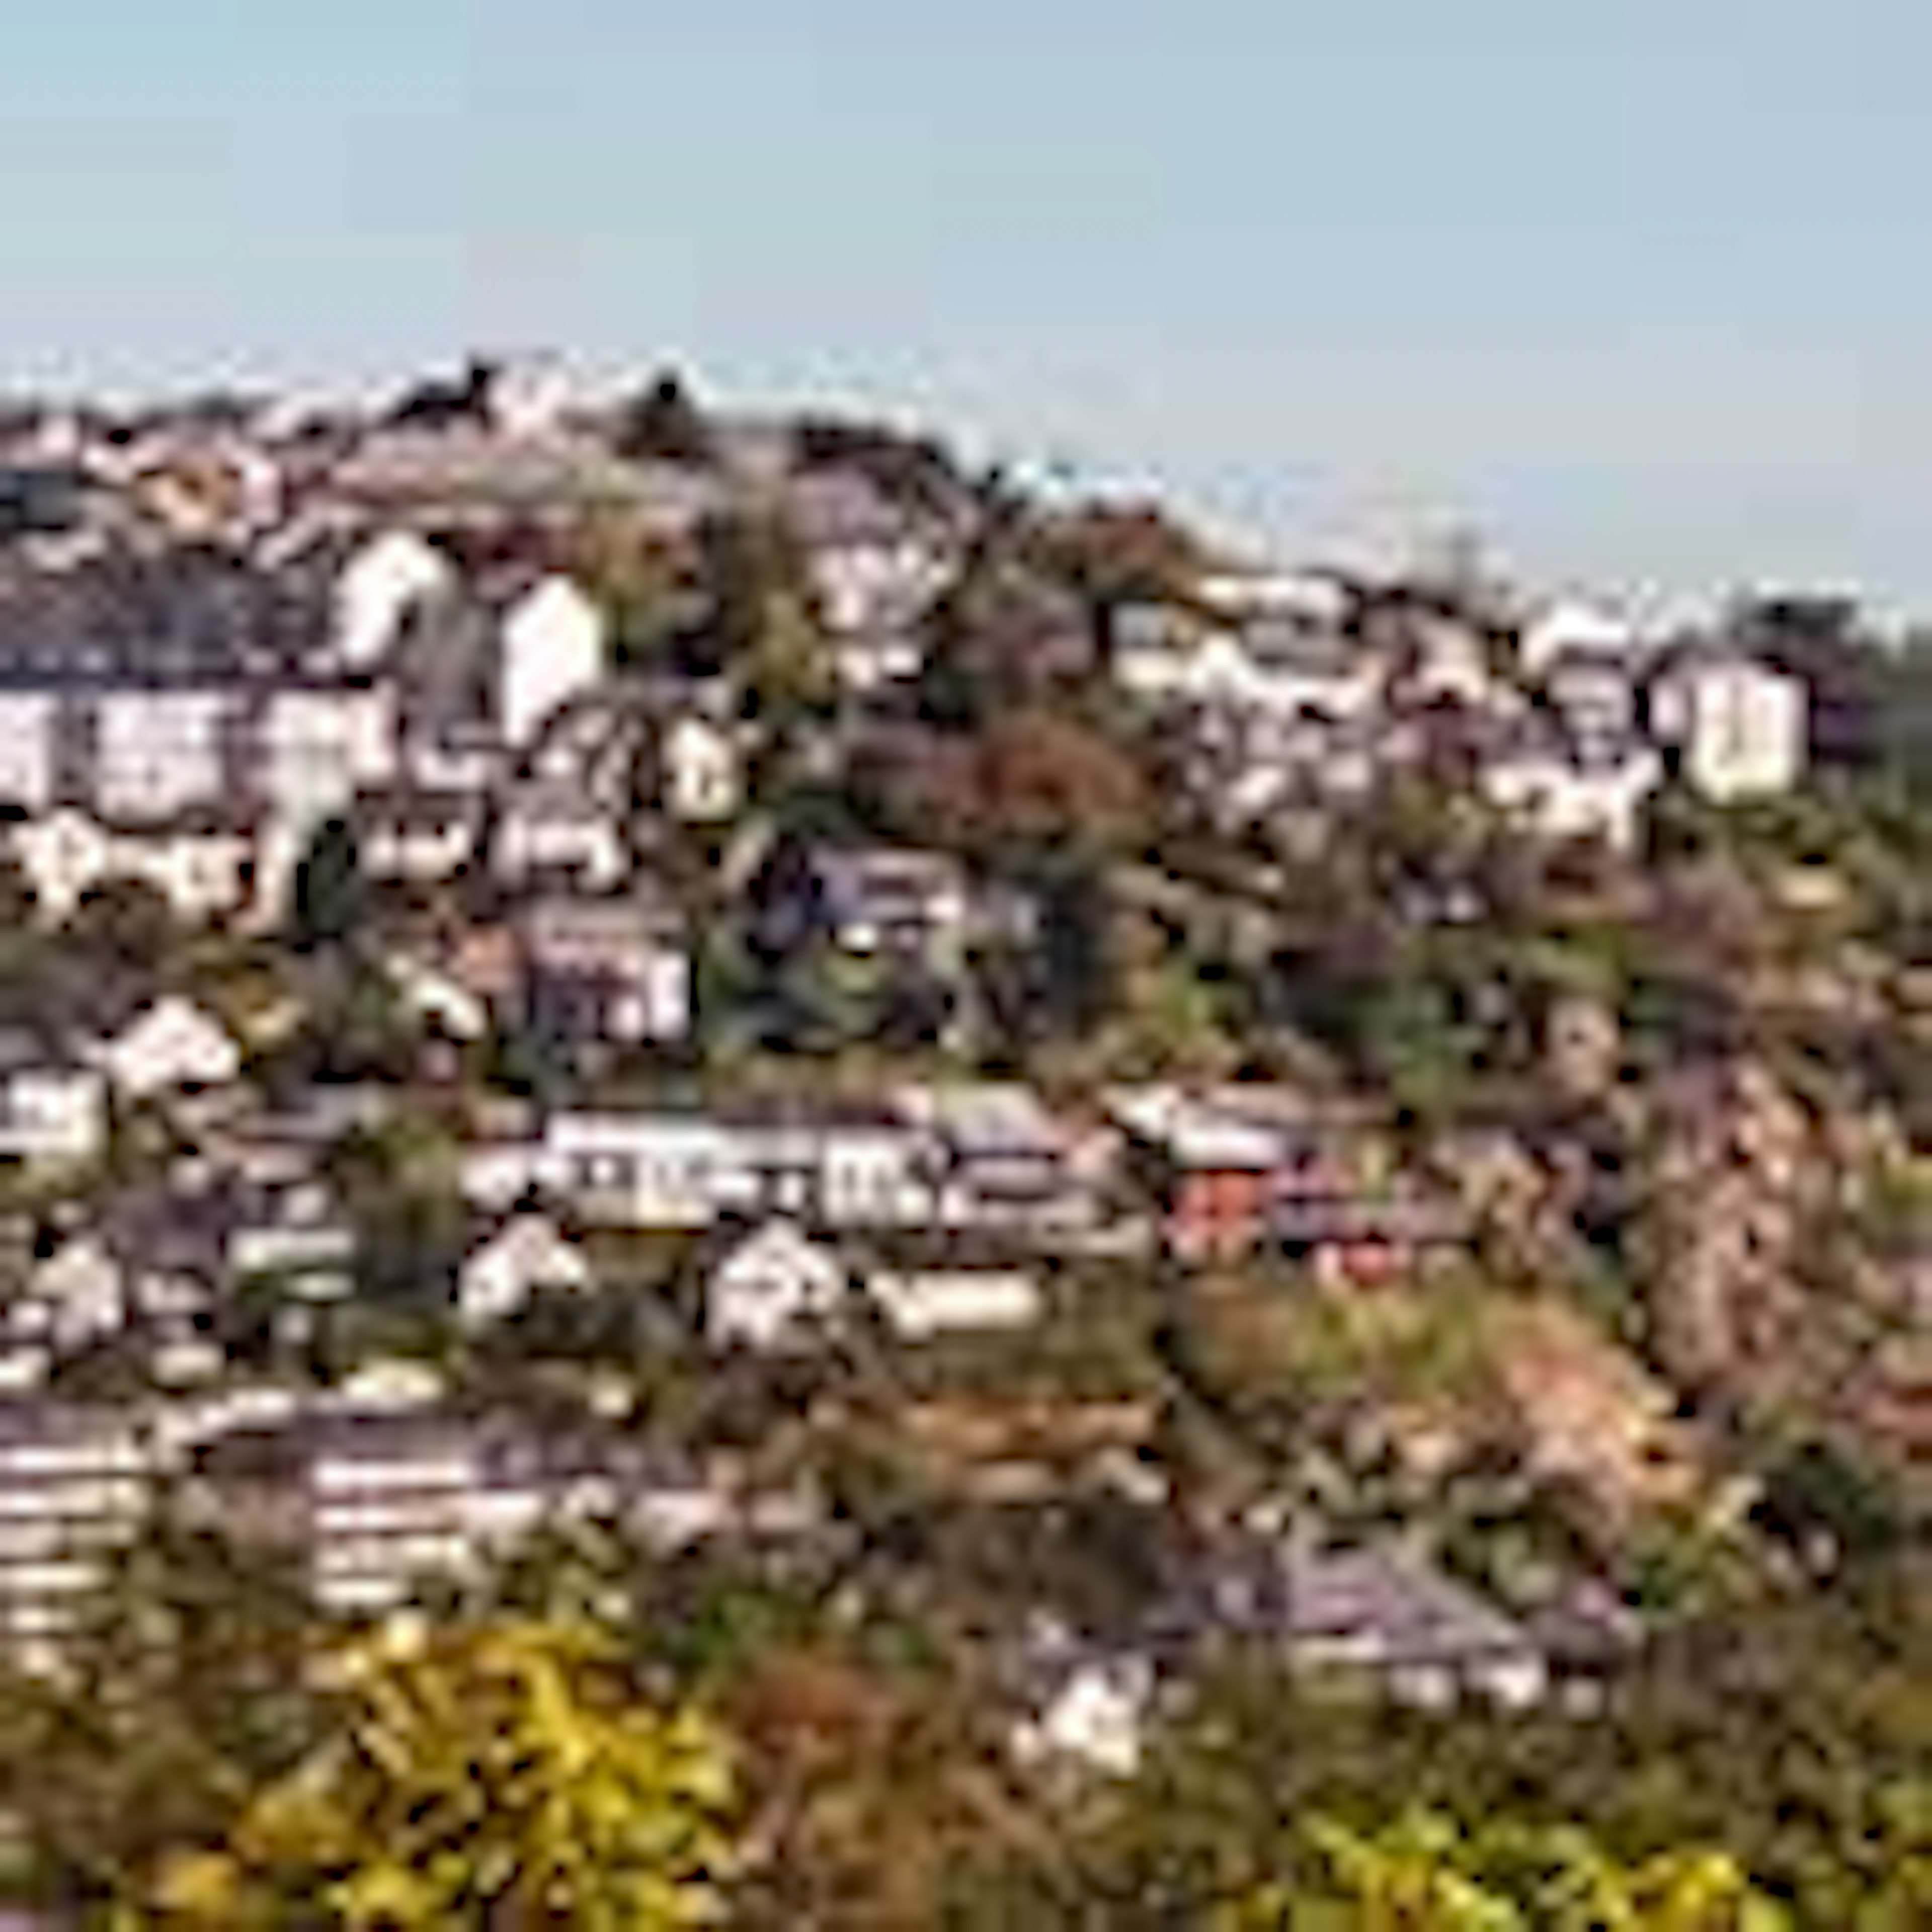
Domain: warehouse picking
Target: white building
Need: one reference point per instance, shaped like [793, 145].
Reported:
[1743, 729]
[1572, 624]
[385, 580]
[1554, 797]
[158, 754]
[553, 830]
[530, 1256]
[321, 744]
[204, 873]
[50, 1114]
[73, 1484]
[920, 1305]
[173, 1047]
[774, 1289]
[552, 651]
[703, 780]
[28, 721]
[80, 1293]
[672, 1171]
[1094, 1717]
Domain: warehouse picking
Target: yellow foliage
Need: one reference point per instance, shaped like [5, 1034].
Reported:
[472, 1769]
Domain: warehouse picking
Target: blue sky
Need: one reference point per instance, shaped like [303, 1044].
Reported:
[1639, 289]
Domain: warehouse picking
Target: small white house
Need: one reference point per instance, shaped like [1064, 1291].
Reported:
[772, 1287]
[528, 397]
[173, 1047]
[1095, 1719]
[552, 645]
[552, 829]
[1742, 728]
[418, 838]
[84, 1289]
[51, 1114]
[704, 771]
[1556, 797]
[529, 1255]
[919, 1307]
[437, 998]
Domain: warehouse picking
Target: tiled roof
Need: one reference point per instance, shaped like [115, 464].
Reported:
[183, 620]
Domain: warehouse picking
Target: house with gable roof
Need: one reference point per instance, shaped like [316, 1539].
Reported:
[172, 1047]
[528, 1254]
[775, 1289]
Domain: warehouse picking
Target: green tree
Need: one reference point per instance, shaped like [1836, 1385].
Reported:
[331, 896]
[665, 424]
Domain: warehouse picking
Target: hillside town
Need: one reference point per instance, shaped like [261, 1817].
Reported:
[577, 965]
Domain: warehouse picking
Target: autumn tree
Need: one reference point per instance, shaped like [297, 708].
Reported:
[507, 1774]
[1031, 783]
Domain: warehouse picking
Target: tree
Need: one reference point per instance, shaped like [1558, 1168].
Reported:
[1420, 1873]
[1117, 553]
[665, 424]
[124, 924]
[762, 623]
[17, 897]
[1031, 784]
[332, 897]
[1006, 634]
[504, 1774]
[179, 1692]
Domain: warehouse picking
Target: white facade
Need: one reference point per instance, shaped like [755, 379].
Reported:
[919, 1307]
[72, 1483]
[204, 875]
[1743, 728]
[85, 1292]
[770, 1291]
[320, 747]
[175, 1045]
[1556, 798]
[381, 584]
[862, 587]
[539, 836]
[530, 1255]
[1221, 672]
[421, 848]
[627, 1171]
[160, 753]
[703, 772]
[1097, 1720]
[552, 651]
[657, 1006]
[27, 723]
[670, 1171]
[1571, 625]
[874, 1178]
[53, 1114]
[529, 397]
